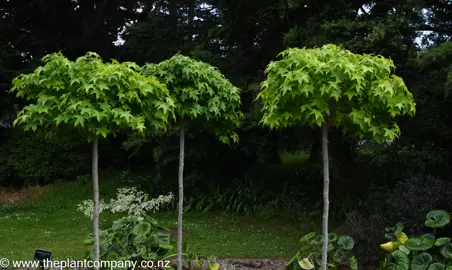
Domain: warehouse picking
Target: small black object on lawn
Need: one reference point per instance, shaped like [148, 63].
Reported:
[41, 256]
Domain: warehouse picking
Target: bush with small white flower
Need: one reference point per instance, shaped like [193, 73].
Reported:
[136, 236]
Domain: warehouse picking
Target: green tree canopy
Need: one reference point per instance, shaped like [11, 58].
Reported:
[202, 94]
[356, 92]
[94, 97]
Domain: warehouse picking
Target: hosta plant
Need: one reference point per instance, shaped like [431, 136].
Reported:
[131, 238]
[310, 254]
[425, 252]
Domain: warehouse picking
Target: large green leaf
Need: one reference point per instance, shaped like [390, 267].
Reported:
[305, 264]
[442, 241]
[398, 261]
[419, 243]
[332, 237]
[292, 261]
[331, 248]
[421, 261]
[437, 219]
[353, 263]
[142, 229]
[346, 242]
[338, 256]
[399, 227]
[404, 249]
[307, 236]
[446, 250]
[316, 240]
[437, 266]
[166, 246]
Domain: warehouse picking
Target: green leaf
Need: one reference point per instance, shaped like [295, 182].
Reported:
[166, 246]
[316, 240]
[307, 236]
[404, 249]
[437, 219]
[80, 121]
[102, 131]
[398, 261]
[446, 250]
[437, 266]
[305, 264]
[421, 261]
[141, 229]
[331, 248]
[346, 242]
[338, 256]
[332, 237]
[353, 263]
[88, 240]
[442, 241]
[419, 243]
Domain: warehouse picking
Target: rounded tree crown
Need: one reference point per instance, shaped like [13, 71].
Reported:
[201, 93]
[94, 97]
[355, 92]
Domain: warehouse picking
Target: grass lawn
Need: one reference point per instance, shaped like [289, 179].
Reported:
[50, 221]
[299, 157]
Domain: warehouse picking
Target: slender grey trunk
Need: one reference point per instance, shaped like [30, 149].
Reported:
[180, 207]
[326, 190]
[95, 172]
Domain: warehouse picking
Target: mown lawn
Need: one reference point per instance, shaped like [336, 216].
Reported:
[50, 221]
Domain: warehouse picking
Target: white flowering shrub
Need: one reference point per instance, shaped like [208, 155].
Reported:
[128, 200]
[87, 207]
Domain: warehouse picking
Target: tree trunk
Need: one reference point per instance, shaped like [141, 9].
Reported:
[95, 172]
[326, 189]
[180, 207]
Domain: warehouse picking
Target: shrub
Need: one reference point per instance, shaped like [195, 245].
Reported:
[33, 159]
[424, 252]
[133, 238]
[310, 254]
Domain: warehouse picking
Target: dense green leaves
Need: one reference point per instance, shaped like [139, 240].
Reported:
[339, 250]
[132, 238]
[201, 92]
[94, 97]
[356, 92]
